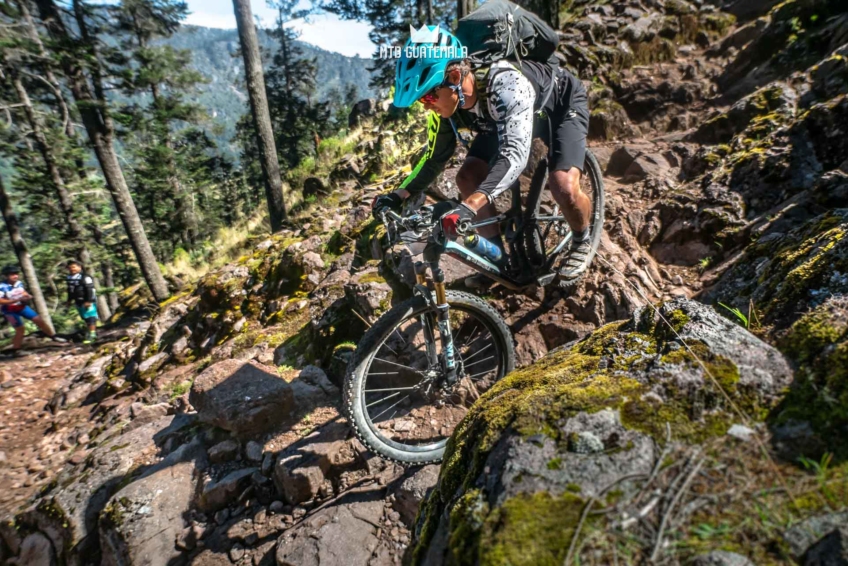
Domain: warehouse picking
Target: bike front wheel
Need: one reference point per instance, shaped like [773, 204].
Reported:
[394, 393]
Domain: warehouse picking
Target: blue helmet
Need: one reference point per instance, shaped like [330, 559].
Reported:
[416, 76]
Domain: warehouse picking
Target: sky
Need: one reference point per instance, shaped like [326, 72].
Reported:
[326, 31]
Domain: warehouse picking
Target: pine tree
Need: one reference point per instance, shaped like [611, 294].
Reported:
[92, 105]
[291, 88]
[164, 74]
[264, 134]
[24, 258]
[23, 55]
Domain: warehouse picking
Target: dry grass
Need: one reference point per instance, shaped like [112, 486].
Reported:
[229, 243]
[721, 496]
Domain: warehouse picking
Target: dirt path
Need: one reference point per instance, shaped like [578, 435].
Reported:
[33, 441]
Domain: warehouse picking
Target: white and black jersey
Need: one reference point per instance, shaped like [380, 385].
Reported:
[504, 120]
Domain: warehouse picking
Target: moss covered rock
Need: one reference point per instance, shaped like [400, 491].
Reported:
[522, 465]
[817, 404]
[787, 274]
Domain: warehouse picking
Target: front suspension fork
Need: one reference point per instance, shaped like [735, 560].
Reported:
[443, 321]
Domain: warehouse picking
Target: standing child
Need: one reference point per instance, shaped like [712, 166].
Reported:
[13, 298]
[82, 294]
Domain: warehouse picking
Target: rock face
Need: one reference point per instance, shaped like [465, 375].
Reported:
[141, 521]
[340, 535]
[310, 466]
[243, 397]
[546, 439]
[413, 491]
[69, 513]
[832, 550]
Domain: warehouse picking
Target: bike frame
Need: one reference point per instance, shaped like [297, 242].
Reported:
[438, 245]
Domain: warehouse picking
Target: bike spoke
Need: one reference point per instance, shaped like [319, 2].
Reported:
[418, 371]
[481, 373]
[479, 361]
[389, 408]
[478, 352]
[386, 373]
[390, 389]
[472, 342]
[386, 398]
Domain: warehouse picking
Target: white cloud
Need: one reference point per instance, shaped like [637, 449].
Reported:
[326, 31]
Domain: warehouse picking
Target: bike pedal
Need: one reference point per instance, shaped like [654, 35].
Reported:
[545, 279]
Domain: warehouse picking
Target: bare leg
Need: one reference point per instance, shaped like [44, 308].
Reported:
[18, 340]
[468, 179]
[39, 322]
[576, 206]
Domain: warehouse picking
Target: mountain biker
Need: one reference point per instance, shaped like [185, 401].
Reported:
[81, 294]
[498, 104]
[13, 298]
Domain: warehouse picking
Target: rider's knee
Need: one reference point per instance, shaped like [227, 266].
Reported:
[469, 177]
[465, 182]
[566, 183]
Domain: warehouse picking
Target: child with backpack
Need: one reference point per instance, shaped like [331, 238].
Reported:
[82, 295]
[509, 87]
[13, 305]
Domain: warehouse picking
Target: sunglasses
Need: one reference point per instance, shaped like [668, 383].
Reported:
[431, 97]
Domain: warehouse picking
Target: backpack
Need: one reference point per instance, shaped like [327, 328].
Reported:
[499, 29]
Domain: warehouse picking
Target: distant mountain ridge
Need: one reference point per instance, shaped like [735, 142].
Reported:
[215, 54]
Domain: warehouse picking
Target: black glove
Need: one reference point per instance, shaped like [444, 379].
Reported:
[391, 201]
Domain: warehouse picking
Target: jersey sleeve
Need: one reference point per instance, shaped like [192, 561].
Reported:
[511, 97]
[441, 144]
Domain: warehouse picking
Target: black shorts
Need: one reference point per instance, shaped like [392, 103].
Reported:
[570, 124]
[569, 121]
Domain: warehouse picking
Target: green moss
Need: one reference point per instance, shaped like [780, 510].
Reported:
[371, 277]
[717, 22]
[554, 464]
[818, 341]
[655, 51]
[615, 367]
[535, 530]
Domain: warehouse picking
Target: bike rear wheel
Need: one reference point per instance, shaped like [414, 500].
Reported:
[392, 392]
[547, 234]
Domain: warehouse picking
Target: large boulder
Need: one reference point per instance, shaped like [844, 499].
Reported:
[68, 512]
[141, 521]
[245, 398]
[307, 468]
[362, 109]
[532, 452]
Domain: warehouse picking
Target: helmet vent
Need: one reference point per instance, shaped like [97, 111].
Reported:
[424, 75]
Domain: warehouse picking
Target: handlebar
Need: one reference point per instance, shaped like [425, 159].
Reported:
[421, 224]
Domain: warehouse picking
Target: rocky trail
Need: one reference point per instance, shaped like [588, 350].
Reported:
[211, 432]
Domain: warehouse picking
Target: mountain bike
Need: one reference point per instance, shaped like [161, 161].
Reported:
[420, 367]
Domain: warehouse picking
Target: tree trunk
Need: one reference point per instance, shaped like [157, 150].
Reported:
[464, 7]
[24, 258]
[261, 116]
[55, 86]
[109, 281]
[74, 232]
[97, 124]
